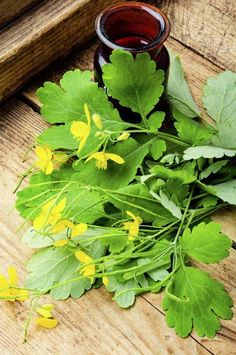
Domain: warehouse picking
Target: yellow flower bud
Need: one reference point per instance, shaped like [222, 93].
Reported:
[97, 120]
[123, 136]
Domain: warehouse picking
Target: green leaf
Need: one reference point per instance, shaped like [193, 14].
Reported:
[115, 176]
[225, 138]
[226, 191]
[158, 274]
[195, 300]
[65, 103]
[168, 204]
[58, 137]
[137, 199]
[82, 204]
[219, 97]
[206, 243]
[33, 239]
[191, 131]
[177, 191]
[123, 299]
[115, 239]
[155, 121]
[157, 148]
[178, 91]
[51, 266]
[213, 169]
[207, 151]
[160, 256]
[40, 189]
[208, 201]
[135, 82]
[166, 173]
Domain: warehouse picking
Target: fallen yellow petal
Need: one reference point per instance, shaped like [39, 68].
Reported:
[48, 306]
[44, 312]
[4, 284]
[46, 323]
[12, 275]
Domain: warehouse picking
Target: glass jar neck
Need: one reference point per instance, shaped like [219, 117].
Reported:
[135, 27]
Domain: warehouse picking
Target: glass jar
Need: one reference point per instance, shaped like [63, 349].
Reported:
[136, 27]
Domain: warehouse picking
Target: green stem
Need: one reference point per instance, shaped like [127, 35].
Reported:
[183, 217]
[29, 318]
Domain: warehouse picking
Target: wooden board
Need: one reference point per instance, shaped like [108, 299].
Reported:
[10, 9]
[206, 26]
[42, 35]
[94, 324]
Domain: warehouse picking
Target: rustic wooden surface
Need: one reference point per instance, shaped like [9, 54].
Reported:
[10, 9]
[45, 33]
[206, 26]
[94, 324]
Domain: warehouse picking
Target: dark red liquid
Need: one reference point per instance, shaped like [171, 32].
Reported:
[133, 41]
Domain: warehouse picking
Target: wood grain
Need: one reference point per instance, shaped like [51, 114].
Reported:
[91, 325]
[94, 324]
[10, 9]
[206, 26]
[44, 34]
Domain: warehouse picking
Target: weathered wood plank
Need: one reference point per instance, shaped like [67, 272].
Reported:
[90, 325]
[207, 26]
[10, 9]
[44, 34]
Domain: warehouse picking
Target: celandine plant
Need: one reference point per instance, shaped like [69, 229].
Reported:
[126, 205]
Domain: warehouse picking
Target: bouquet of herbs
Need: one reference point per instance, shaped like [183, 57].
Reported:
[127, 204]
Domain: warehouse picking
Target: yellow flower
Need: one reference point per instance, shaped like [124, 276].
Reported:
[7, 290]
[48, 160]
[105, 280]
[50, 214]
[46, 320]
[89, 270]
[76, 229]
[102, 159]
[123, 136]
[133, 226]
[97, 120]
[62, 225]
[44, 163]
[61, 243]
[81, 130]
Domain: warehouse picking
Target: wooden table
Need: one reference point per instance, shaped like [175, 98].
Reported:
[203, 35]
